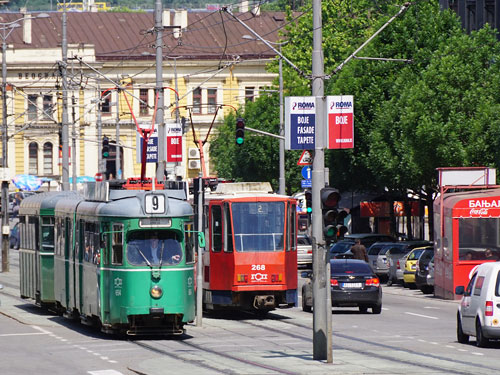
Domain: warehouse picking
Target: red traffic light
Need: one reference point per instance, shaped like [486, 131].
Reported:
[330, 197]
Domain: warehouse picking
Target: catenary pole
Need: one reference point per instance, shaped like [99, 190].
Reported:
[64, 75]
[5, 143]
[162, 139]
[282, 187]
[322, 315]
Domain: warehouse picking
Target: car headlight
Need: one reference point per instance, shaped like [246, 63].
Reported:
[156, 291]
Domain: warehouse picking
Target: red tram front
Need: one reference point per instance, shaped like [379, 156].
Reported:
[250, 262]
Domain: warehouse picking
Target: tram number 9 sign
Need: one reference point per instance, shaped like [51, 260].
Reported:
[155, 204]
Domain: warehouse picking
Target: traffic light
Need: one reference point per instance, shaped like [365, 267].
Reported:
[329, 201]
[341, 228]
[308, 197]
[105, 147]
[240, 131]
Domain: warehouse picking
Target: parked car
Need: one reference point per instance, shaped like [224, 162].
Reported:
[304, 250]
[378, 259]
[422, 272]
[430, 273]
[352, 283]
[398, 252]
[410, 266]
[479, 311]
[341, 249]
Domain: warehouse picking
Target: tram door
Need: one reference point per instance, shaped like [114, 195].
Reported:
[221, 247]
[291, 241]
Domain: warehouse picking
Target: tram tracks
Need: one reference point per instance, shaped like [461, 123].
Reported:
[449, 367]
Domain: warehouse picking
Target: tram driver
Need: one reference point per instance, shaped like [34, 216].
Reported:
[155, 249]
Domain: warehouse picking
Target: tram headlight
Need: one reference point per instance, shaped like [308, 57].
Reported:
[156, 292]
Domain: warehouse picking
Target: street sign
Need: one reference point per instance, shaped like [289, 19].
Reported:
[300, 122]
[305, 158]
[98, 177]
[306, 172]
[340, 121]
[306, 184]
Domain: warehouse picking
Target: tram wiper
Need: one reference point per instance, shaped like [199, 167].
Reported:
[161, 253]
[146, 259]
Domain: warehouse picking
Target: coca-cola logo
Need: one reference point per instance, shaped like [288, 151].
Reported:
[478, 212]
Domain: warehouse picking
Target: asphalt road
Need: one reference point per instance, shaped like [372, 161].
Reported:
[415, 334]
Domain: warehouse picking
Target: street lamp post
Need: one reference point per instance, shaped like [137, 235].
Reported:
[7, 28]
[282, 188]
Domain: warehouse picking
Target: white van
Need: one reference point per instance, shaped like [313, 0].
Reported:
[479, 311]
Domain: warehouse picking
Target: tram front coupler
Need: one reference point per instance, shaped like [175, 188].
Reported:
[263, 302]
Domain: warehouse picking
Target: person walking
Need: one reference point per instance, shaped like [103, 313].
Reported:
[359, 251]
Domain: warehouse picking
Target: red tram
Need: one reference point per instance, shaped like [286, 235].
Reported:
[250, 262]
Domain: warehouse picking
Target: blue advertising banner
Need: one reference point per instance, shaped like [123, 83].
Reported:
[152, 148]
[300, 122]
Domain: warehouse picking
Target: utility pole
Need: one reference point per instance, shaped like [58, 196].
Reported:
[117, 147]
[282, 187]
[162, 138]
[73, 142]
[64, 130]
[322, 308]
[100, 167]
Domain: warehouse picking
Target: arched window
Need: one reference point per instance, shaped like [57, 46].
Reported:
[47, 158]
[33, 158]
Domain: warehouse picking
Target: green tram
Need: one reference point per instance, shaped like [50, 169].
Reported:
[124, 259]
[36, 250]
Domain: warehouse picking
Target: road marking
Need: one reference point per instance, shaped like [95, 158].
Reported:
[422, 316]
[104, 372]
[22, 334]
[475, 353]
[432, 307]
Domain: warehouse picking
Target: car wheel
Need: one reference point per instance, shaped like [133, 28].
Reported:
[406, 285]
[481, 341]
[462, 338]
[363, 309]
[377, 309]
[305, 306]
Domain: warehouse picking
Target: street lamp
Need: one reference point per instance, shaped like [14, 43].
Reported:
[282, 188]
[6, 30]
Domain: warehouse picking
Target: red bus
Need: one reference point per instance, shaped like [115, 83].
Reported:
[251, 259]
[466, 233]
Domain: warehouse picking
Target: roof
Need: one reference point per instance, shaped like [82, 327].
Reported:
[129, 36]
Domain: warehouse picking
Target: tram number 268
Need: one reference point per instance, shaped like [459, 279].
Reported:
[258, 267]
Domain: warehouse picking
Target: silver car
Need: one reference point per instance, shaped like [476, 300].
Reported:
[377, 257]
[396, 259]
[304, 250]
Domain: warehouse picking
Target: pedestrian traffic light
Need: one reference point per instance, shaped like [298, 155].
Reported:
[105, 147]
[308, 197]
[329, 201]
[240, 131]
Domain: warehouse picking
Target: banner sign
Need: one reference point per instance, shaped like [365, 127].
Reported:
[340, 121]
[300, 122]
[152, 148]
[174, 142]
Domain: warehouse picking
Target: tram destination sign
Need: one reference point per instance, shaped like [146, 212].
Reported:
[300, 122]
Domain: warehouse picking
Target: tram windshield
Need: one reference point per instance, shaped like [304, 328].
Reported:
[154, 248]
[258, 226]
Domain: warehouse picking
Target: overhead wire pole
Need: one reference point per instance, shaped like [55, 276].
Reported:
[322, 308]
[64, 130]
[100, 167]
[282, 187]
[162, 139]
[118, 163]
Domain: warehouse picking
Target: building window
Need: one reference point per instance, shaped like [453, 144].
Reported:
[249, 94]
[32, 110]
[212, 100]
[47, 107]
[197, 101]
[143, 103]
[47, 158]
[106, 102]
[33, 158]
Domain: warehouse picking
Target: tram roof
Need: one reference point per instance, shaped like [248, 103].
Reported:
[233, 190]
[44, 201]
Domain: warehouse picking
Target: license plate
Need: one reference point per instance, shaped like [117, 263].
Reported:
[352, 285]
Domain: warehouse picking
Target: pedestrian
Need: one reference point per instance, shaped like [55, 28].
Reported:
[359, 251]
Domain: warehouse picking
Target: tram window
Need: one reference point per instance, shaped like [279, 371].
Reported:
[117, 244]
[258, 226]
[216, 229]
[48, 233]
[189, 245]
[22, 232]
[33, 233]
[292, 228]
[228, 243]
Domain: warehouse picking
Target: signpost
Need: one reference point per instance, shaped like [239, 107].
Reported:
[300, 122]
[340, 121]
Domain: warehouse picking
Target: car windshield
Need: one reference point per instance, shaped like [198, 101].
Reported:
[350, 268]
[341, 247]
[258, 226]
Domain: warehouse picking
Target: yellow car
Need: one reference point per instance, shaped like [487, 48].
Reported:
[411, 266]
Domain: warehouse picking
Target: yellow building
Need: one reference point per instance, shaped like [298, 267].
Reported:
[209, 70]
